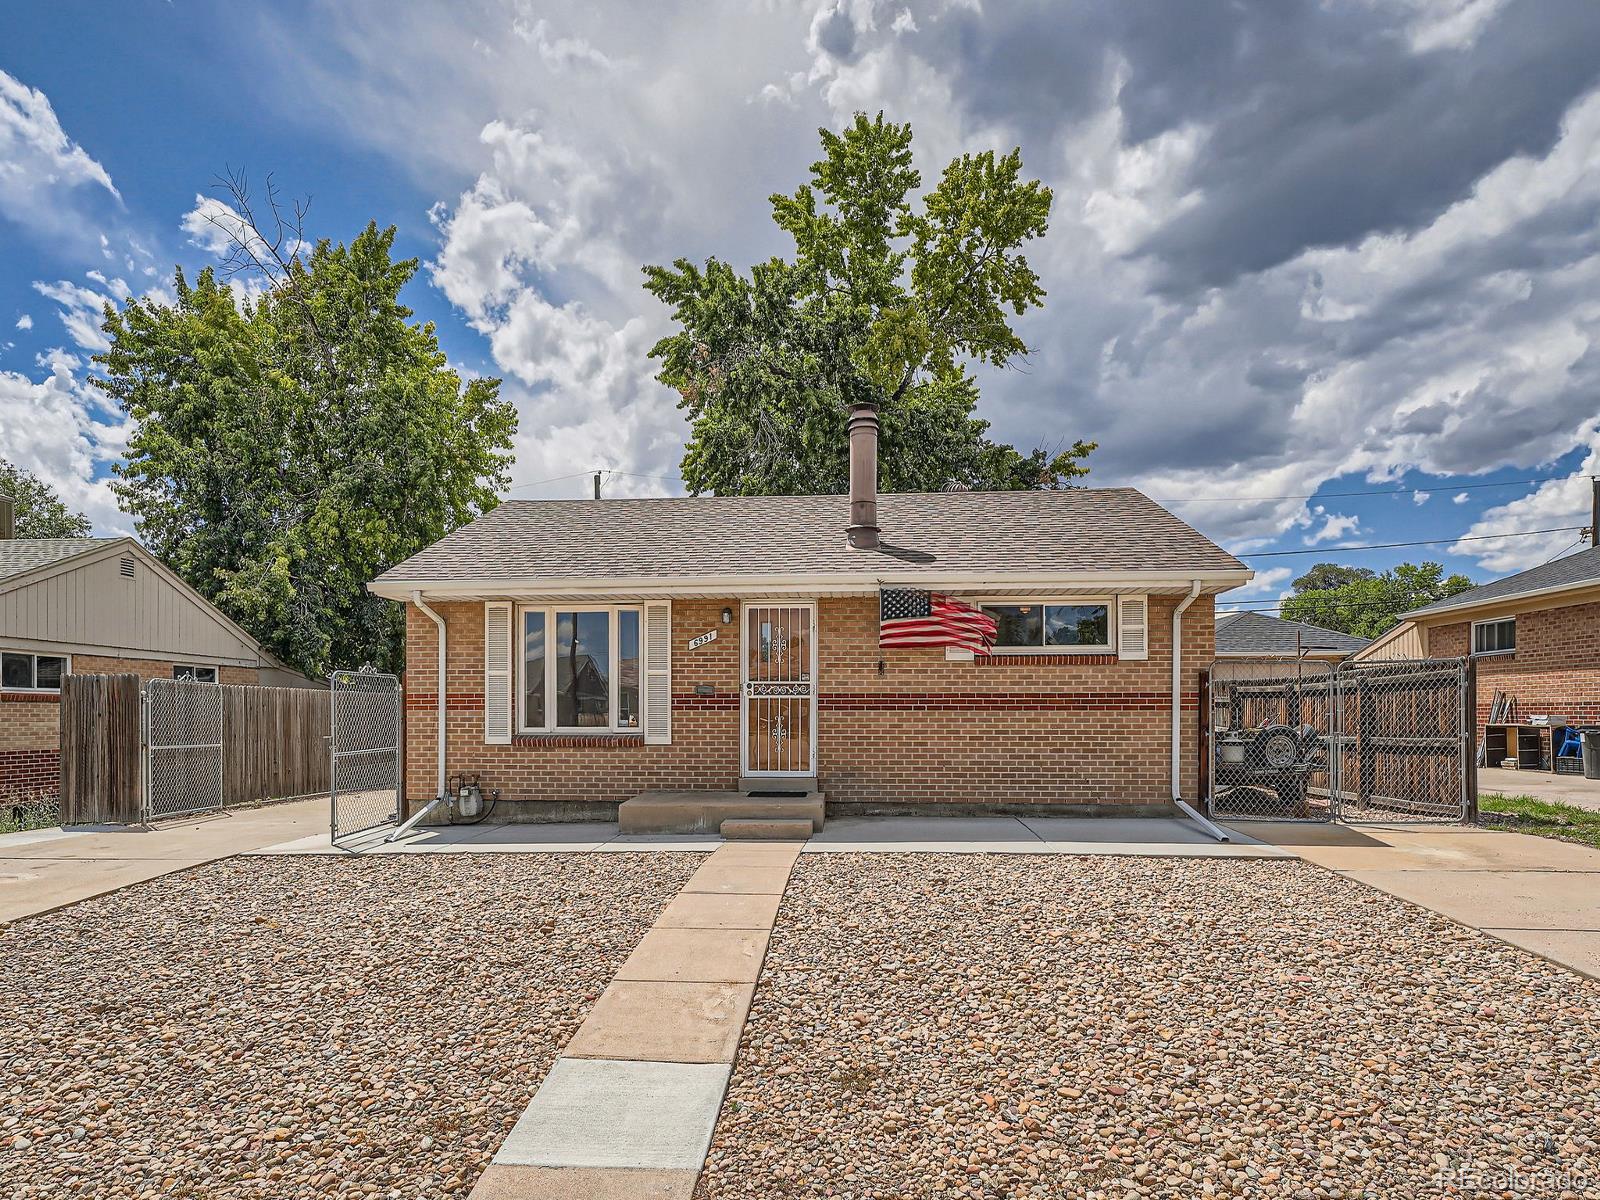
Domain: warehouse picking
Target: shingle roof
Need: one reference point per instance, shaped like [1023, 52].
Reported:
[1105, 529]
[1257, 633]
[1574, 570]
[20, 555]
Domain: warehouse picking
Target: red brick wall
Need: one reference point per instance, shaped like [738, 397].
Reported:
[1555, 668]
[1043, 730]
[30, 722]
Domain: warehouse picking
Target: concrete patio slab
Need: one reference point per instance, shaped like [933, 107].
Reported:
[1578, 949]
[592, 1112]
[506, 1182]
[664, 1022]
[697, 955]
[712, 910]
[1541, 785]
[758, 880]
[45, 869]
[1537, 893]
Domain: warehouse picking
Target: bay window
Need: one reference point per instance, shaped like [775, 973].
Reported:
[580, 669]
[1065, 626]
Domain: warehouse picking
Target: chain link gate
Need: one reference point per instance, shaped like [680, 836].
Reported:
[1304, 740]
[364, 744]
[182, 748]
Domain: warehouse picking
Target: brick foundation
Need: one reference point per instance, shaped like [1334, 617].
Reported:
[1034, 729]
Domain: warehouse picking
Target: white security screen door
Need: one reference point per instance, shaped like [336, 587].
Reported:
[778, 699]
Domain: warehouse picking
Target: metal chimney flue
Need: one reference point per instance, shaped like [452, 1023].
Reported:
[863, 530]
[8, 518]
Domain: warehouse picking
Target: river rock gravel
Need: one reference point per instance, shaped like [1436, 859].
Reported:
[1030, 1026]
[304, 1026]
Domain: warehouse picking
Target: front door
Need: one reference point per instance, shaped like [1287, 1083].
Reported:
[778, 696]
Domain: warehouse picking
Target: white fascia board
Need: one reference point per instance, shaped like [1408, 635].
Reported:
[653, 586]
[1422, 615]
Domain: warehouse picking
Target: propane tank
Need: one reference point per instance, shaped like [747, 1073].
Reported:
[469, 799]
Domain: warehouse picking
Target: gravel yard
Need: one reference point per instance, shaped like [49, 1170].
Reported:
[304, 1026]
[1009, 1026]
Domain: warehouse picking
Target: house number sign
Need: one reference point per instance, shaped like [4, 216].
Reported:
[696, 642]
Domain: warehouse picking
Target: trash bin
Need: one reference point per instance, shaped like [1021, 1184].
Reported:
[1591, 751]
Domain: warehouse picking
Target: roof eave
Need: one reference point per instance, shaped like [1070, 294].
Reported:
[789, 583]
[1430, 613]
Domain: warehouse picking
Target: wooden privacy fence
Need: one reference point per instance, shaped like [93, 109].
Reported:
[274, 746]
[100, 758]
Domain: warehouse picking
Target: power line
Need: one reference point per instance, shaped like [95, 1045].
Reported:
[1404, 491]
[1479, 537]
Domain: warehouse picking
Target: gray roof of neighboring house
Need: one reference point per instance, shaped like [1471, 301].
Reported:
[1104, 529]
[1257, 633]
[18, 556]
[1575, 570]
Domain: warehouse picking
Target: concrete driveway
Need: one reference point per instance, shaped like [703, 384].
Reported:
[1537, 893]
[46, 868]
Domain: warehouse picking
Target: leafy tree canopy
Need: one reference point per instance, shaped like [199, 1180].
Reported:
[884, 301]
[40, 512]
[1364, 603]
[288, 448]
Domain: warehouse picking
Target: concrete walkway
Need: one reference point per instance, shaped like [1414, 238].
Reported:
[629, 1108]
[44, 869]
[1537, 893]
[1149, 836]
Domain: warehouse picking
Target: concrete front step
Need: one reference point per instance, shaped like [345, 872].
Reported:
[771, 829]
[705, 812]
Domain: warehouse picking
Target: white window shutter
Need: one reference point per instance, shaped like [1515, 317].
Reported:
[497, 691]
[658, 674]
[1133, 627]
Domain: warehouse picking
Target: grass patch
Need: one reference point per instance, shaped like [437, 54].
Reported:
[1542, 818]
[37, 813]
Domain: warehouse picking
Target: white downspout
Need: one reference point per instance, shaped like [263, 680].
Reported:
[416, 598]
[1177, 716]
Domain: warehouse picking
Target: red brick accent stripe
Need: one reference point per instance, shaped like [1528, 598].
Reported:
[454, 701]
[1047, 660]
[30, 697]
[718, 700]
[1008, 701]
[26, 773]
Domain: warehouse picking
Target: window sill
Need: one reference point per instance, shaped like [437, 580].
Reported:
[26, 694]
[599, 740]
[1494, 653]
[1098, 658]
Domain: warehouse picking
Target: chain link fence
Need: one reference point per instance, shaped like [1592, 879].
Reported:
[1405, 740]
[365, 751]
[183, 748]
[1310, 741]
[1272, 730]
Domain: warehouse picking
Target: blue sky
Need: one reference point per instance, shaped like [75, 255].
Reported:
[1296, 248]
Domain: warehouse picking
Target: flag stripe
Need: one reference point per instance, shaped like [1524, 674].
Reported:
[908, 617]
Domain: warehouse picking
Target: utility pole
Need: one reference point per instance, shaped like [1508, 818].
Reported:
[1594, 511]
[597, 486]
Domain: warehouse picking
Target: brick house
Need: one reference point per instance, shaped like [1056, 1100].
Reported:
[99, 606]
[1534, 635]
[595, 650]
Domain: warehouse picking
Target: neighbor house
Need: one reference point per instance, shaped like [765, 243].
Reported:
[1534, 635]
[575, 654]
[1258, 635]
[99, 606]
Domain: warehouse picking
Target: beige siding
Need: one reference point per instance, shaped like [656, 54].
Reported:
[1406, 640]
[94, 608]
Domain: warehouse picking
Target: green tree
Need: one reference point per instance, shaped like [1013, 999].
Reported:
[883, 302]
[288, 448]
[40, 512]
[1367, 604]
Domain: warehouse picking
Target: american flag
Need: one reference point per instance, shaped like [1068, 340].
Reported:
[908, 617]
